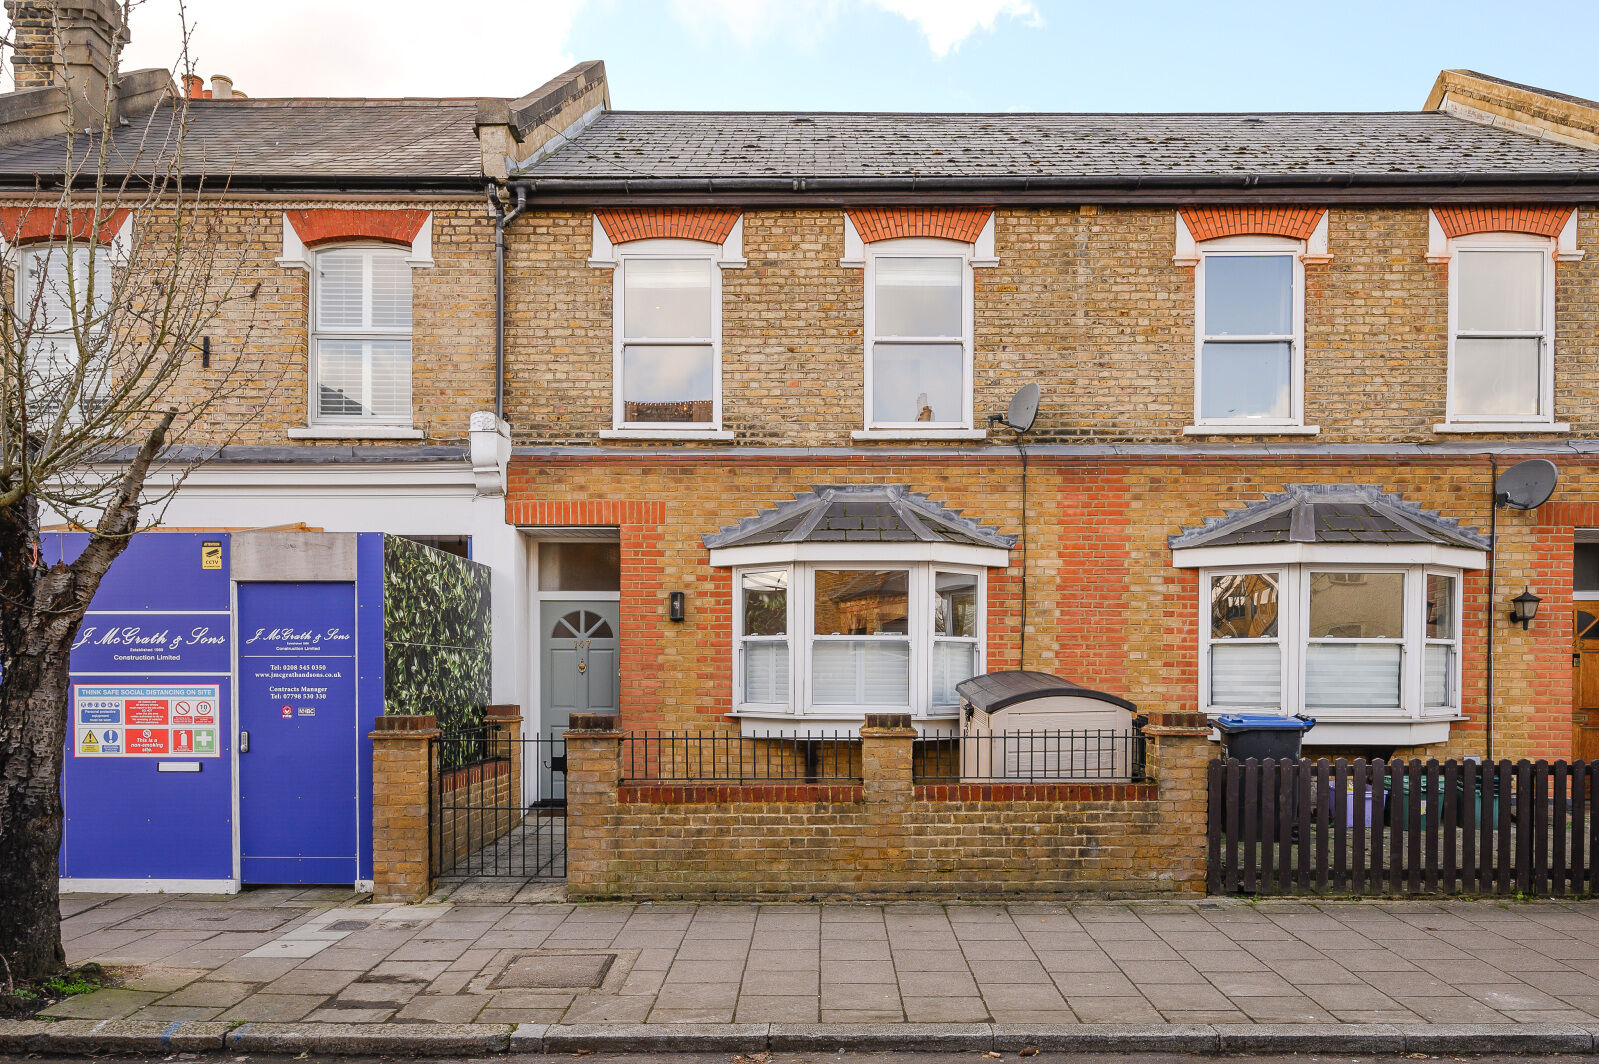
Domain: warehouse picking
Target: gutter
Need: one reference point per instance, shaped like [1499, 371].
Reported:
[1072, 187]
[501, 220]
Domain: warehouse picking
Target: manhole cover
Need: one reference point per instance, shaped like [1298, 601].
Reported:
[210, 919]
[348, 925]
[556, 971]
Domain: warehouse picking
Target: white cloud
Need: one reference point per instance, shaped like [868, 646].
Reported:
[946, 23]
[362, 47]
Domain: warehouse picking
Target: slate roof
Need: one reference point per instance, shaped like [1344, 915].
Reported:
[288, 141]
[621, 145]
[859, 513]
[1331, 513]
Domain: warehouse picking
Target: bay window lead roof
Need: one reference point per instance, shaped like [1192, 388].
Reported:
[1331, 513]
[859, 513]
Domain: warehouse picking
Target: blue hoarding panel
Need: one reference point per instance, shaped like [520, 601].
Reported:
[151, 685]
[369, 634]
[298, 787]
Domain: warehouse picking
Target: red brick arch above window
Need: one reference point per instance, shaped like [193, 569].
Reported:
[30, 225]
[1209, 223]
[710, 224]
[1539, 221]
[949, 223]
[328, 224]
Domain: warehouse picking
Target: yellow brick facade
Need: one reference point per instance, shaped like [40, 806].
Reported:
[1085, 301]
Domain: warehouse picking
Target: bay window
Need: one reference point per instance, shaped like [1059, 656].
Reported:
[1249, 333]
[361, 336]
[834, 640]
[1363, 642]
[1501, 344]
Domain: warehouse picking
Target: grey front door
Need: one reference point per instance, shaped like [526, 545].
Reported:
[580, 666]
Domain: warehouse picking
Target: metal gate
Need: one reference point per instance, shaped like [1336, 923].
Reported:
[499, 805]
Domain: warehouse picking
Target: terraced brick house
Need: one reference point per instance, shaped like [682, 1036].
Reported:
[754, 358]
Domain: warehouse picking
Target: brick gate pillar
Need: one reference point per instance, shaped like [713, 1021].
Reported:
[1179, 758]
[505, 734]
[593, 778]
[402, 777]
[889, 792]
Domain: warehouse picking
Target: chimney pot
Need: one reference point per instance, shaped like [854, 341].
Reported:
[221, 87]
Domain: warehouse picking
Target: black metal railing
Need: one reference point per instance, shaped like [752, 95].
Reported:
[498, 805]
[706, 757]
[1086, 755]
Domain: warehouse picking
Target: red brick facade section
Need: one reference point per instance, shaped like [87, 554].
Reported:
[949, 223]
[710, 224]
[27, 225]
[328, 224]
[1540, 221]
[1208, 223]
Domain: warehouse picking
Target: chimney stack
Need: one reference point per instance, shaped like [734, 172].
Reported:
[70, 43]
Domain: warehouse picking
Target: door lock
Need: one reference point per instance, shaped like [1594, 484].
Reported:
[244, 742]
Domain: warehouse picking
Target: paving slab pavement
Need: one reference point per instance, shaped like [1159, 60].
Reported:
[314, 968]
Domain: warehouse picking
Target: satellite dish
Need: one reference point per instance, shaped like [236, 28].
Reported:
[1023, 409]
[1527, 485]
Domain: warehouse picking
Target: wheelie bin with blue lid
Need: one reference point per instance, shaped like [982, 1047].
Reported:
[1263, 736]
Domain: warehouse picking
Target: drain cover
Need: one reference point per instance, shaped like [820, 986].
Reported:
[555, 971]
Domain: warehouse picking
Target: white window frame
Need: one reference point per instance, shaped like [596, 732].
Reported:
[104, 259]
[1208, 639]
[1451, 681]
[801, 635]
[314, 417]
[665, 248]
[1544, 419]
[1293, 627]
[1241, 246]
[919, 247]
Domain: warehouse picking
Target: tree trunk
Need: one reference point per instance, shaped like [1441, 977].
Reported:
[33, 715]
[42, 608]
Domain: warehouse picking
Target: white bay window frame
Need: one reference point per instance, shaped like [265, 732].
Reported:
[1543, 419]
[919, 248]
[1293, 423]
[801, 707]
[1293, 636]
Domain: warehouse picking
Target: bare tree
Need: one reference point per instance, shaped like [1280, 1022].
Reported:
[118, 266]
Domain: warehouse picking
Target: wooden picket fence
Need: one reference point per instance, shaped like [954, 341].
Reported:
[1403, 827]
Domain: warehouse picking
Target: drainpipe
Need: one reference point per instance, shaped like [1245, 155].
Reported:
[1493, 560]
[501, 221]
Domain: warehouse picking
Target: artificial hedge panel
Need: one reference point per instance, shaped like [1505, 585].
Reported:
[436, 655]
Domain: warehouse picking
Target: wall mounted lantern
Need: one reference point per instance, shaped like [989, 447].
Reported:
[1524, 607]
[674, 606]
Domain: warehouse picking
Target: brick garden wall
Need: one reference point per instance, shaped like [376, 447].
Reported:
[476, 806]
[887, 837]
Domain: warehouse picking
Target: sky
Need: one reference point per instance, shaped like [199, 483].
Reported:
[895, 55]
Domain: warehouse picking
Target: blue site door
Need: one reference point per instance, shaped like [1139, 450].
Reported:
[298, 733]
